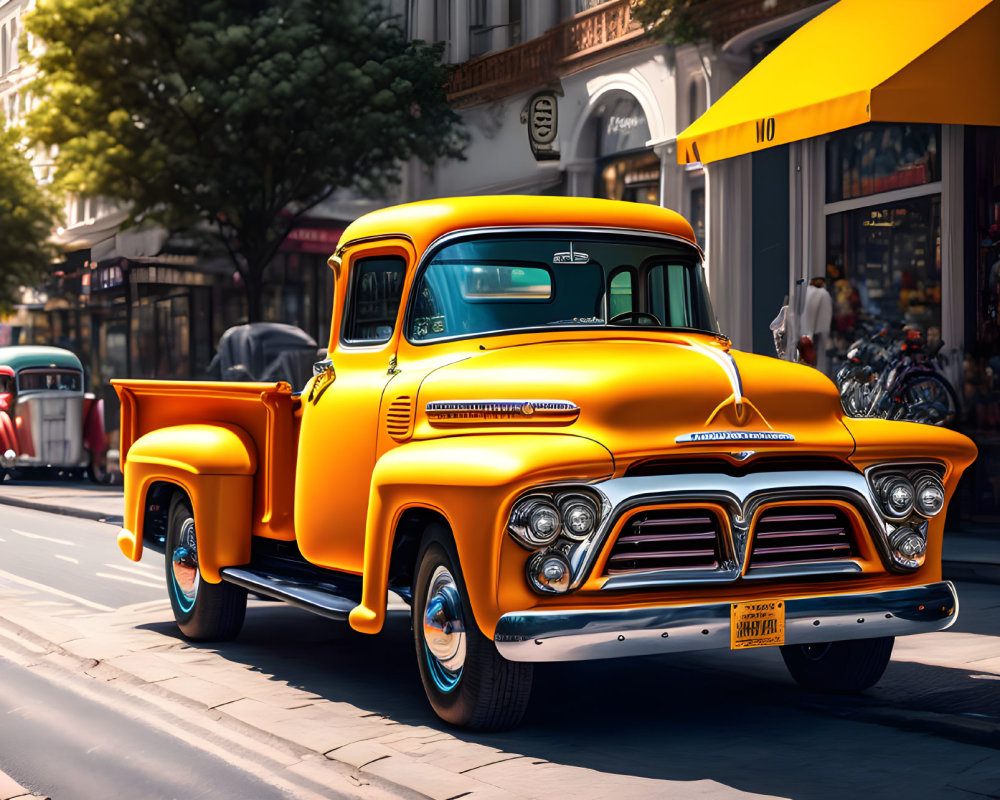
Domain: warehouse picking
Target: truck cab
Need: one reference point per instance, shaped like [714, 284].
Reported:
[531, 428]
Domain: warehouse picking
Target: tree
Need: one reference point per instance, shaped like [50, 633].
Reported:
[240, 113]
[26, 218]
[678, 22]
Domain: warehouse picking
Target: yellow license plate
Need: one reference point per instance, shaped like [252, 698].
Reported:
[756, 623]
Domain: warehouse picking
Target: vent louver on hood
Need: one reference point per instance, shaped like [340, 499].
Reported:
[399, 418]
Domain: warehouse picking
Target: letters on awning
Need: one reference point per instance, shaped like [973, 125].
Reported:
[860, 61]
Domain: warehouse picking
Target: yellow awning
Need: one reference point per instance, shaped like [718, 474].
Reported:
[860, 61]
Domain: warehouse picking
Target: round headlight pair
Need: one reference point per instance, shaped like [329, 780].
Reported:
[899, 496]
[538, 521]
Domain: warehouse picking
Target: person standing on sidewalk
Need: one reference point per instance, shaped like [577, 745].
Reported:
[817, 317]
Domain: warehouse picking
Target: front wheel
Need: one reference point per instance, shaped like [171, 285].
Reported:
[204, 611]
[838, 667]
[927, 398]
[468, 683]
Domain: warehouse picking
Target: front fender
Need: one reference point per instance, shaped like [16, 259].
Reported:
[470, 480]
[214, 465]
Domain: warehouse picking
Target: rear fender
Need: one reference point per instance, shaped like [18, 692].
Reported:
[469, 480]
[214, 465]
[93, 426]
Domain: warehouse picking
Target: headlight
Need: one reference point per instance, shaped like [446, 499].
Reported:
[579, 516]
[908, 545]
[929, 494]
[896, 495]
[549, 572]
[535, 522]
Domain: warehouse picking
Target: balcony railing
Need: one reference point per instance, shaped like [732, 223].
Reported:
[581, 41]
[727, 18]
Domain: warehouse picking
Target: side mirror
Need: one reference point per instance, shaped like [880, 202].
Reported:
[322, 367]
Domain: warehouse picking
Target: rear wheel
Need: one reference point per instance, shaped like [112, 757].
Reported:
[468, 683]
[204, 611]
[838, 667]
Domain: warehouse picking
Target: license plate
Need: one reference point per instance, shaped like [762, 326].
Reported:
[756, 623]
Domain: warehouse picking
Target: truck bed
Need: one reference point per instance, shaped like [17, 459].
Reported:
[267, 412]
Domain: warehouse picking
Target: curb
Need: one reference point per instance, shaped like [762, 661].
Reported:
[68, 511]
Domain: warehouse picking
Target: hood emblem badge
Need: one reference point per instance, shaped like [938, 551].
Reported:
[734, 436]
[743, 455]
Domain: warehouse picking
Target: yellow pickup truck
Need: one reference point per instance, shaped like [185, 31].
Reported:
[531, 429]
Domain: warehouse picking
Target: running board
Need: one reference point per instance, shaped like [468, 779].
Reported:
[324, 598]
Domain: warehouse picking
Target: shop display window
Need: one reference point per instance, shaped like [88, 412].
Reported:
[879, 158]
[884, 265]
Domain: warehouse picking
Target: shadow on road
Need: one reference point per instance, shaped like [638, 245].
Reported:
[739, 721]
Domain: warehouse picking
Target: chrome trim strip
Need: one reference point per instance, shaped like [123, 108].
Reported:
[576, 635]
[728, 365]
[739, 495]
[802, 569]
[469, 411]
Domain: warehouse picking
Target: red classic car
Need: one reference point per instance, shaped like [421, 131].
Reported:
[47, 422]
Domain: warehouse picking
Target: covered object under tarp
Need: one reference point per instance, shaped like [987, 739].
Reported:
[265, 351]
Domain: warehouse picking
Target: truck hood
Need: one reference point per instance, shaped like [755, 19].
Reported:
[644, 398]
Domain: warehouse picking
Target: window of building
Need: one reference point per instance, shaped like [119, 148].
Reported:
[479, 29]
[880, 158]
[3, 50]
[442, 20]
[626, 168]
[13, 43]
[375, 296]
[515, 19]
[883, 229]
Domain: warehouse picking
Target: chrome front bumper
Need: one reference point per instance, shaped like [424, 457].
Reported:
[580, 635]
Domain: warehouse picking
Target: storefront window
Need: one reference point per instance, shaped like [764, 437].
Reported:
[633, 177]
[880, 158]
[626, 168]
[884, 264]
[981, 363]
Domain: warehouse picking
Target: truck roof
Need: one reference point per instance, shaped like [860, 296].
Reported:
[425, 221]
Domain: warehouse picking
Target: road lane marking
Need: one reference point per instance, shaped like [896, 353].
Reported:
[30, 535]
[125, 579]
[52, 590]
[150, 576]
[68, 558]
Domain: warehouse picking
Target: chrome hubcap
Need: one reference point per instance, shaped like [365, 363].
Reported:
[444, 628]
[184, 566]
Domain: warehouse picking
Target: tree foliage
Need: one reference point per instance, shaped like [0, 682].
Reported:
[675, 22]
[26, 218]
[240, 113]
[678, 22]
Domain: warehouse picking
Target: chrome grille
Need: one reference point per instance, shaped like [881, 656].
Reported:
[667, 539]
[797, 534]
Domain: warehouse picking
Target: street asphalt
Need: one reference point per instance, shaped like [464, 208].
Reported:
[330, 740]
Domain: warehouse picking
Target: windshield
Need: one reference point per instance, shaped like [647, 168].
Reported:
[516, 282]
[33, 380]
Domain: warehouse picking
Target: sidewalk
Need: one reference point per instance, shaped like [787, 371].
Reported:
[971, 551]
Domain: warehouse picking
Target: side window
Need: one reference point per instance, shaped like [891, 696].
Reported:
[376, 289]
[620, 292]
[670, 295]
